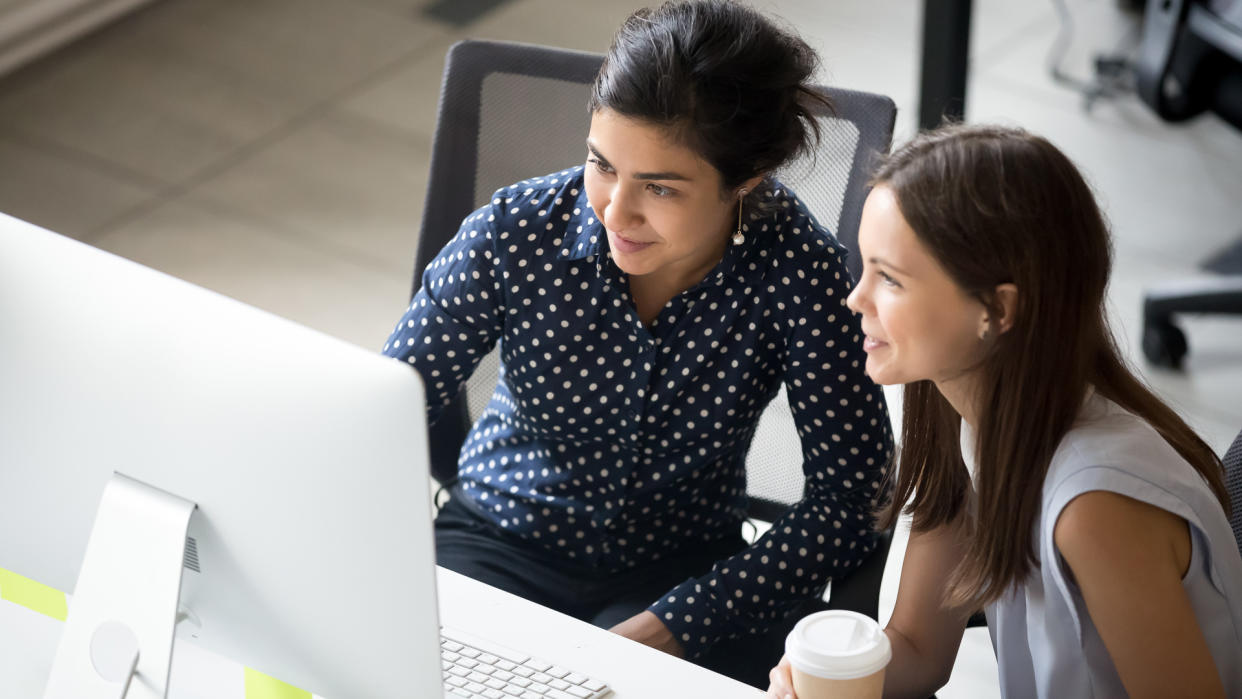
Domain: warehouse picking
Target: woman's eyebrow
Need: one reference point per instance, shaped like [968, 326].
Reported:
[885, 263]
[595, 152]
[667, 175]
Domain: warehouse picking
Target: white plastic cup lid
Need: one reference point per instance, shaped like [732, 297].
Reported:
[838, 645]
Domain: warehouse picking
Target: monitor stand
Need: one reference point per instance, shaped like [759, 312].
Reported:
[118, 638]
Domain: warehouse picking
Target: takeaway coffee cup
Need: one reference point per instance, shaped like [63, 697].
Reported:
[838, 655]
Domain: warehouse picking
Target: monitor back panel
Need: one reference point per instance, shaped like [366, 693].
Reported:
[306, 456]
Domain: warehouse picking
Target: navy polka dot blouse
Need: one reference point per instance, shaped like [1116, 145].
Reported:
[615, 444]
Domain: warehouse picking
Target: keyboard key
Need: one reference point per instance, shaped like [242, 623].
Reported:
[575, 678]
[540, 677]
[593, 685]
[451, 646]
[488, 658]
[505, 665]
[513, 656]
[557, 672]
[477, 677]
[531, 695]
[469, 652]
[523, 671]
[493, 694]
[495, 683]
[450, 656]
[456, 681]
[537, 665]
[559, 684]
[458, 691]
[580, 692]
[513, 691]
[502, 675]
[558, 694]
[520, 681]
[467, 662]
[459, 671]
[475, 687]
[485, 669]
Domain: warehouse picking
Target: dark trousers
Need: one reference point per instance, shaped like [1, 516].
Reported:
[470, 545]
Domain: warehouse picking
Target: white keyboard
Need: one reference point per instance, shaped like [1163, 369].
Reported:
[474, 668]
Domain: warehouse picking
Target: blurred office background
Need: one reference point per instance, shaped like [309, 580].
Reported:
[276, 151]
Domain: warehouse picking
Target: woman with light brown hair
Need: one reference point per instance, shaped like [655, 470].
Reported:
[1047, 485]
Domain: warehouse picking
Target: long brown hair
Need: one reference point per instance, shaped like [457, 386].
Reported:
[993, 206]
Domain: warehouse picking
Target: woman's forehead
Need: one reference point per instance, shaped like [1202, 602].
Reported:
[886, 236]
[638, 146]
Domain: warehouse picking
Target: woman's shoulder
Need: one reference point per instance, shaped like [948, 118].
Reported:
[794, 231]
[536, 199]
[1110, 449]
[795, 245]
[1106, 435]
[536, 214]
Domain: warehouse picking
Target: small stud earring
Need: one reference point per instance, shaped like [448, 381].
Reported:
[738, 238]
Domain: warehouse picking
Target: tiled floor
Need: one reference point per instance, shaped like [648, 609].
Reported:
[276, 151]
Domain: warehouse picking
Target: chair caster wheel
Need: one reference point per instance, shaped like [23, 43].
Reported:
[1164, 344]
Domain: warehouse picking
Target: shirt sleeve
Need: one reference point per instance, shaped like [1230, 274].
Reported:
[457, 315]
[843, 424]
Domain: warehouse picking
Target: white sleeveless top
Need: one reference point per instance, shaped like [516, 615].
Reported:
[1046, 645]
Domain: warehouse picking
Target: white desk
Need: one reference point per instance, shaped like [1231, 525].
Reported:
[632, 669]
[28, 642]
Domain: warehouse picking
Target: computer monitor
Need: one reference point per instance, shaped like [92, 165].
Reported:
[305, 455]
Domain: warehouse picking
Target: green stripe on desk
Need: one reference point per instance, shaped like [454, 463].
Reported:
[33, 595]
[261, 686]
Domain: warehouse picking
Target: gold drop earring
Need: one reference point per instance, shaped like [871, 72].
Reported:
[738, 238]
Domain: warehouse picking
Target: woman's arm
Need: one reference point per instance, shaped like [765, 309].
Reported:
[924, 634]
[1128, 559]
[456, 317]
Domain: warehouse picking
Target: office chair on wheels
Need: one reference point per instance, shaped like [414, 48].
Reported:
[510, 111]
[1190, 61]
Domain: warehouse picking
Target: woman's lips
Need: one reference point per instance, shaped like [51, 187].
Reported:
[870, 343]
[623, 244]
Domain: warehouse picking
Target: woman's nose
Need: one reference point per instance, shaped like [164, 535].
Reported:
[857, 297]
[621, 214]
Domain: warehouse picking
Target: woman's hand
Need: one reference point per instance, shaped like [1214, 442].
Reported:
[781, 679]
[646, 628]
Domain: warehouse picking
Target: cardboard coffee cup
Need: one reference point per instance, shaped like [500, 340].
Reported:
[838, 655]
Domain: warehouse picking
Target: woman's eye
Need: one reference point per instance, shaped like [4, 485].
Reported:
[658, 190]
[599, 165]
[889, 281]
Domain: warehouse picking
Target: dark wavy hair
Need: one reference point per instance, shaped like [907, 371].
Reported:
[994, 206]
[725, 81]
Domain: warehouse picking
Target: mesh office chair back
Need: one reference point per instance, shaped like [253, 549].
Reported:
[1233, 484]
[511, 111]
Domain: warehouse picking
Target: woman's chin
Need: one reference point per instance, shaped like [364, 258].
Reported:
[880, 374]
[630, 266]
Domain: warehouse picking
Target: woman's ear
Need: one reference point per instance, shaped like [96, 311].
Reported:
[1005, 305]
[748, 186]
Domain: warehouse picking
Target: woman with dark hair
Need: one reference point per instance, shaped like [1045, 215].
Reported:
[1046, 483]
[647, 307]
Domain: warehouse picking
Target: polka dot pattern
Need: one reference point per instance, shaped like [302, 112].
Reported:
[616, 444]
